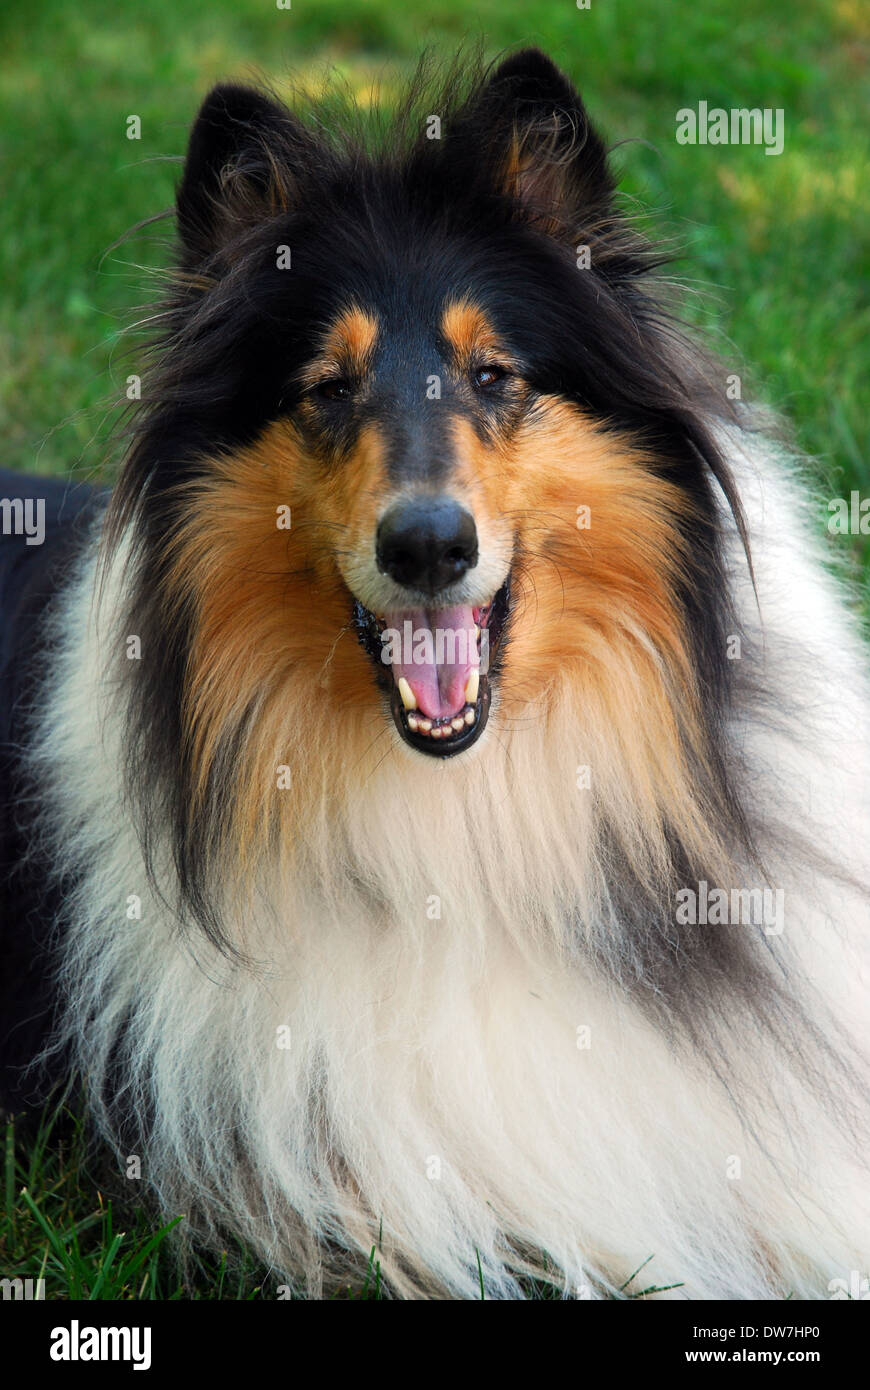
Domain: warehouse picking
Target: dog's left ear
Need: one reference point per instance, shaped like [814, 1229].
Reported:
[531, 127]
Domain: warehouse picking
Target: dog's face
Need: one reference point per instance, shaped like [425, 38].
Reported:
[417, 447]
[409, 399]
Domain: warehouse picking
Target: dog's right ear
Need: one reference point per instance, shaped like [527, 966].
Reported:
[242, 151]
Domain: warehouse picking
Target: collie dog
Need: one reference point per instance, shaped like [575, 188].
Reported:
[448, 743]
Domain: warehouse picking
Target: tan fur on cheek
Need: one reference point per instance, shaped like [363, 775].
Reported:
[595, 622]
[274, 653]
[599, 537]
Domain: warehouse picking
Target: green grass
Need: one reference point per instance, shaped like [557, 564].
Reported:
[774, 249]
[58, 1225]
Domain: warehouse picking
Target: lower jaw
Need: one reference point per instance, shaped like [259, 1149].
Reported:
[442, 740]
[446, 744]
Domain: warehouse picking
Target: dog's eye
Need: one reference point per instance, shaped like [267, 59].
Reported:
[336, 388]
[489, 374]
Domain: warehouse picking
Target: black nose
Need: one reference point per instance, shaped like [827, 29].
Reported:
[427, 544]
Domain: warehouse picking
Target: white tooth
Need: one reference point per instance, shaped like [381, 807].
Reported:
[470, 717]
[446, 731]
[426, 725]
[409, 699]
[472, 687]
[458, 723]
[412, 722]
[436, 733]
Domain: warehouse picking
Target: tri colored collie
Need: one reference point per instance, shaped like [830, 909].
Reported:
[448, 745]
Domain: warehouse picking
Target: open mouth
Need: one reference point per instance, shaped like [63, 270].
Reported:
[437, 667]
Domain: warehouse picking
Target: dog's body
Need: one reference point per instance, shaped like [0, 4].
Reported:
[338, 992]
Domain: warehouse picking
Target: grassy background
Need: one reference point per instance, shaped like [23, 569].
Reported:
[774, 248]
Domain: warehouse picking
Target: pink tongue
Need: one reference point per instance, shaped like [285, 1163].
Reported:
[435, 652]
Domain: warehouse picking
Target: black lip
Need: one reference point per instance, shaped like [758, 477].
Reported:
[457, 743]
[369, 636]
